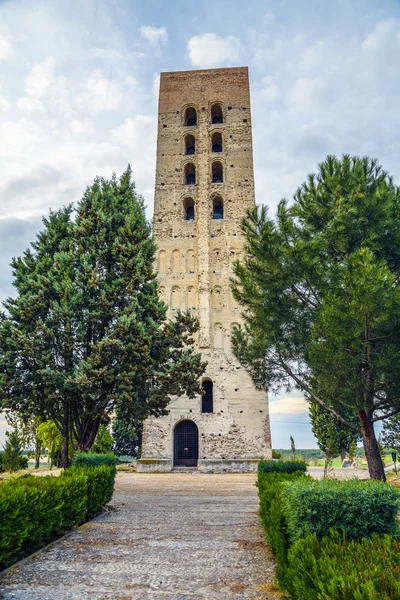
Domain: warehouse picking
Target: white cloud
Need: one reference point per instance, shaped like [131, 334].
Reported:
[288, 405]
[81, 126]
[29, 104]
[137, 139]
[154, 35]
[100, 94]
[4, 104]
[210, 50]
[5, 48]
[381, 34]
[38, 81]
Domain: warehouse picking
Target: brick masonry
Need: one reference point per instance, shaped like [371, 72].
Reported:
[195, 258]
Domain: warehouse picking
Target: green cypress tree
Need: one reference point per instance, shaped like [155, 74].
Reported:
[87, 332]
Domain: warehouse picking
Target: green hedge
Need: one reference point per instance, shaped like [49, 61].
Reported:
[337, 569]
[357, 508]
[292, 504]
[281, 466]
[99, 485]
[37, 510]
[91, 459]
[270, 491]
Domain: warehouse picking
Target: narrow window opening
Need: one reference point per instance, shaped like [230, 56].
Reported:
[218, 208]
[190, 174]
[217, 173]
[188, 205]
[216, 142]
[207, 397]
[216, 114]
[190, 117]
[190, 144]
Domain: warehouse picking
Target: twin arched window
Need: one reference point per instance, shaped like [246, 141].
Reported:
[217, 115]
[207, 399]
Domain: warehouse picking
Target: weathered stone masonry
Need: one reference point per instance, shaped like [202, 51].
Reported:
[195, 257]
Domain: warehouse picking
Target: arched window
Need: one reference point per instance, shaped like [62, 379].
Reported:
[216, 114]
[190, 261]
[217, 173]
[218, 336]
[190, 174]
[176, 298]
[216, 142]
[218, 208]
[190, 144]
[188, 205]
[176, 261]
[190, 298]
[207, 397]
[190, 117]
[162, 261]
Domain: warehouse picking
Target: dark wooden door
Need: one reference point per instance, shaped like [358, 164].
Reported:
[186, 444]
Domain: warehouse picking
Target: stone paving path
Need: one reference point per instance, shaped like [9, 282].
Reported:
[166, 537]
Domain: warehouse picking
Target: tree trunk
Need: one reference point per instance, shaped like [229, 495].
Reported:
[371, 448]
[342, 454]
[38, 448]
[88, 432]
[65, 437]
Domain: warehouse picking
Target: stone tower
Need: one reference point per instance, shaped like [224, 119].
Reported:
[204, 186]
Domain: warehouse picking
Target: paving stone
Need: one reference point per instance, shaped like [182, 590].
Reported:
[165, 537]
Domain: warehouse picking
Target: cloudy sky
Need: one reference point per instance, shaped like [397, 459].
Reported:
[78, 98]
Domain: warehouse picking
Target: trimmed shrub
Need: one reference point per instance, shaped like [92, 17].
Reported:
[271, 490]
[339, 569]
[356, 508]
[91, 459]
[281, 466]
[36, 510]
[99, 485]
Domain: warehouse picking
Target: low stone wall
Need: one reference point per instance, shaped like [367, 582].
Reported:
[237, 465]
[153, 465]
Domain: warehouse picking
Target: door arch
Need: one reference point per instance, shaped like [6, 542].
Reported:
[186, 444]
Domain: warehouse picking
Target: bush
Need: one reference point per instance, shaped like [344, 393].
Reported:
[338, 569]
[36, 510]
[270, 490]
[91, 459]
[357, 508]
[99, 485]
[280, 466]
[276, 454]
[1, 462]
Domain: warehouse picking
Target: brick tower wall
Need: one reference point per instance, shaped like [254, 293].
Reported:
[194, 262]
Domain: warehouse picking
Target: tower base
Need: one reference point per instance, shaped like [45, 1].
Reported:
[209, 465]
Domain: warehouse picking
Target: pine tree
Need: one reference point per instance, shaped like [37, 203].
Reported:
[13, 458]
[321, 295]
[87, 332]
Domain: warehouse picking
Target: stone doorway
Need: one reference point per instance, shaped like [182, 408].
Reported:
[186, 444]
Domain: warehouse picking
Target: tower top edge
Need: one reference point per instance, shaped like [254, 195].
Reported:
[207, 72]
